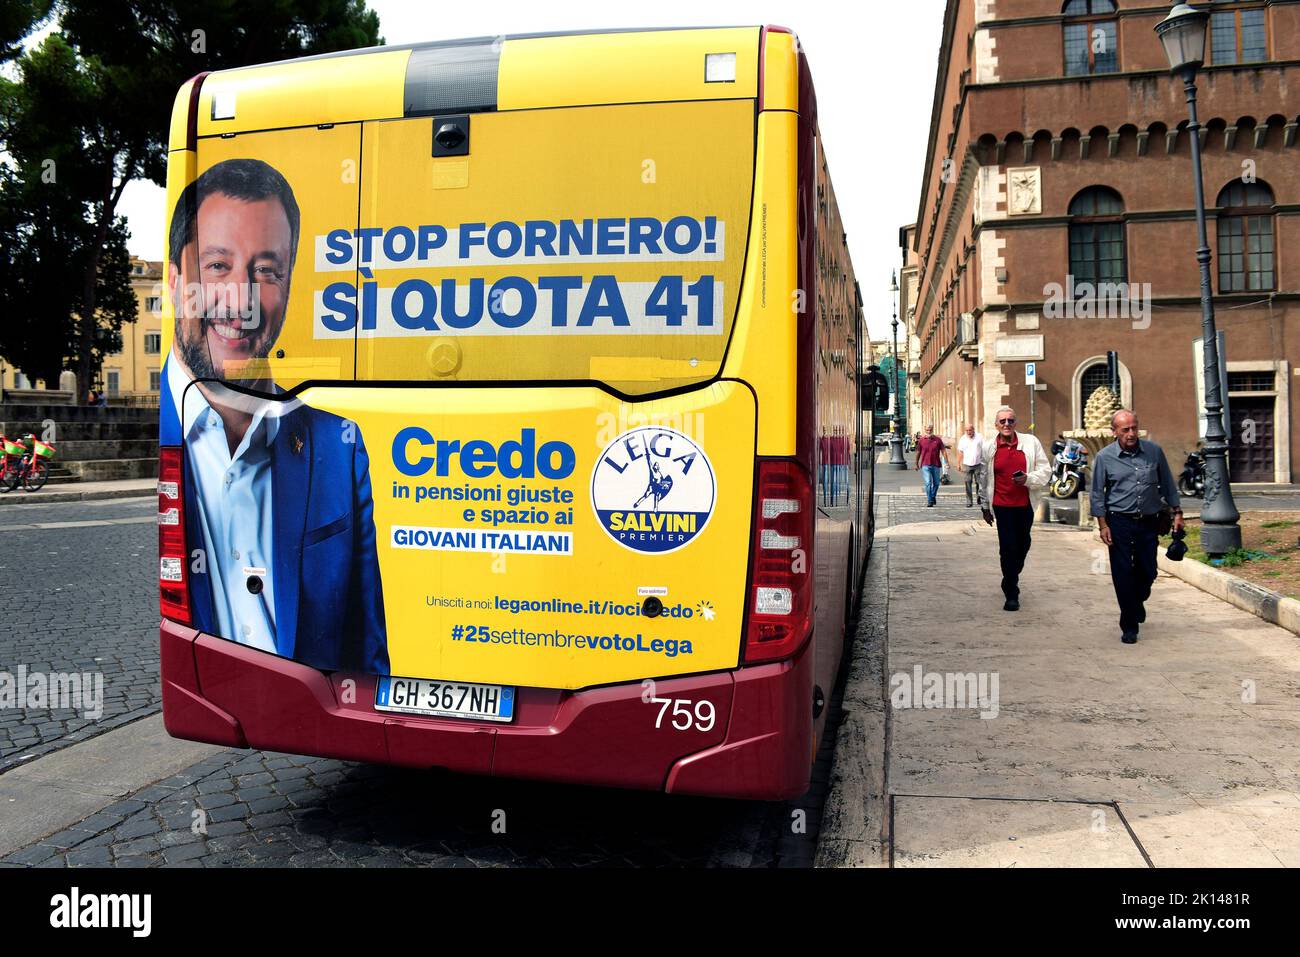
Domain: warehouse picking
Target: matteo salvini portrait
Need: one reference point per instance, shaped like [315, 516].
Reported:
[277, 493]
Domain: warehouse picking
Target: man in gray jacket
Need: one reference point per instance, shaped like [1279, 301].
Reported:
[1129, 478]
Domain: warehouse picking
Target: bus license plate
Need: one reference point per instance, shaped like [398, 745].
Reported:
[445, 699]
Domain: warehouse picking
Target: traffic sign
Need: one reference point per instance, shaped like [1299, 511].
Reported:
[1031, 373]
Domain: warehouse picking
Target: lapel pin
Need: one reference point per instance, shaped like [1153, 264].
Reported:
[296, 441]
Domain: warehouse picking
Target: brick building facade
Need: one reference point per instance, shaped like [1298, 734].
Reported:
[1057, 220]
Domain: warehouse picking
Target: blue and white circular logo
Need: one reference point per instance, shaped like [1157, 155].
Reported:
[653, 489]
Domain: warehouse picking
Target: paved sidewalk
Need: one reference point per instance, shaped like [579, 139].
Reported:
[1181, 750]
[83, 492]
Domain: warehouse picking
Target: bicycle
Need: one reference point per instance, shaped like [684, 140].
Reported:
[30, 469]
[11, 455]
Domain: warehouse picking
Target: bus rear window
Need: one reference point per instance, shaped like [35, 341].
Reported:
[593, 243]
[599, 243]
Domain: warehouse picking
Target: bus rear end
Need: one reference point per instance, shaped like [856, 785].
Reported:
[480, 440]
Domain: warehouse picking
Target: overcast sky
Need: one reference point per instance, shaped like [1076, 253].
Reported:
[874, 75]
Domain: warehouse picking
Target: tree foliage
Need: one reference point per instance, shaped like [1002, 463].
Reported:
[46, 218]
[89, 111]
[17, 19]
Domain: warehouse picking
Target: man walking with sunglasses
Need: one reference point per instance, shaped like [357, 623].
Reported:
[1017, 472]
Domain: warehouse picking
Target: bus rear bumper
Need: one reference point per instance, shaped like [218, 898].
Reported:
[758, 745]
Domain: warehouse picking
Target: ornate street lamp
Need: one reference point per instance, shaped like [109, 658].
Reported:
[896, 435]
[1183, 36]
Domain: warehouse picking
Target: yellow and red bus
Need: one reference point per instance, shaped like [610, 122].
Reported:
[511, 410]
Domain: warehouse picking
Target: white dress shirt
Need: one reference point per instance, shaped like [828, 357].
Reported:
[971, 448]
[233, 508]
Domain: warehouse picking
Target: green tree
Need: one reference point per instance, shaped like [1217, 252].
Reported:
[17, 19]
[46, 227]
[128, 59]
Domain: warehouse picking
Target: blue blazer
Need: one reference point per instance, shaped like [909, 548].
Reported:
[329, 601]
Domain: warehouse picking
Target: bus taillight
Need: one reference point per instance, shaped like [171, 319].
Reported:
[173, 588]
[780, 599]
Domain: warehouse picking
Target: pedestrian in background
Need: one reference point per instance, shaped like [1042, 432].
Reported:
[1130, 477]
[1017, 471]
[971, 449]
[931, 453]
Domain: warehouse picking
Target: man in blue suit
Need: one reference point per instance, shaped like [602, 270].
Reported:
[277, 493]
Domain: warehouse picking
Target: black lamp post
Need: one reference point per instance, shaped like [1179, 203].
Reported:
[1183, 36]
[896, 435]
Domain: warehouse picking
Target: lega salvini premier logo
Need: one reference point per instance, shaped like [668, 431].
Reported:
[653, 489]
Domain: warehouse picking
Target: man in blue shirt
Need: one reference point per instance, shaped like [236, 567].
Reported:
[277, 493]
[1130, 477]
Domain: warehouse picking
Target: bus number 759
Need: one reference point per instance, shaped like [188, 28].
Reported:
[702, 718]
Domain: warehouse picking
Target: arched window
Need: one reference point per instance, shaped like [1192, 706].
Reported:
[1097, 249]
[1090, 375]
[1246, 244]
[1239, 35]
[1091, 37]
[1093, 378]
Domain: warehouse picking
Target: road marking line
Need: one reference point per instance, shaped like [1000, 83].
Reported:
[89, 523]
[82, 524]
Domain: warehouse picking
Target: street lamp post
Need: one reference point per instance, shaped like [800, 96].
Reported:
[1183, 36]
[896, 435]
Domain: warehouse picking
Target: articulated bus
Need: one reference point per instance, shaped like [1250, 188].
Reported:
[511, 414]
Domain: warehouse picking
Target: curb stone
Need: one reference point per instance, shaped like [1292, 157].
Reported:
[855, 817]
[47, 498]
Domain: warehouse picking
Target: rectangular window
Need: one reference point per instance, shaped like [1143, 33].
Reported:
[1246, 262]
[114, 380]
[1223, 37]
[1254, 36]
[1251, 382]
[152, 343]
[153, 304]
[1238, 36]
[1091, 47]
[1097, 253]
[155, 380]
[1077, 61]
[1105, 48]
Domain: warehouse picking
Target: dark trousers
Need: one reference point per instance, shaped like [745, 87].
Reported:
[1013, 523]
[1132, 564]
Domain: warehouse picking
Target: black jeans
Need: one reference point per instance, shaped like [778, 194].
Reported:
[1013, 523]
[1132, 564]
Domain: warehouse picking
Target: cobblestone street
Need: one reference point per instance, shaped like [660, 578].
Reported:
[80, 595]
[241, 808]
[261, 809]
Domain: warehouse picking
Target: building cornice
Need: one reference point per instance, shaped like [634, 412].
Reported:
[1140, 216]
[1127, 75]
[1160, 10]
[940, 84]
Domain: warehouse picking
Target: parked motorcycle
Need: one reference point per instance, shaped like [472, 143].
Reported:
[1067, 472]
[1192, 481]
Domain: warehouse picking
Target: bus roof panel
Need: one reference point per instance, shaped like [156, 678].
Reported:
[485, 73]
[643, 67]
[303, 93]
